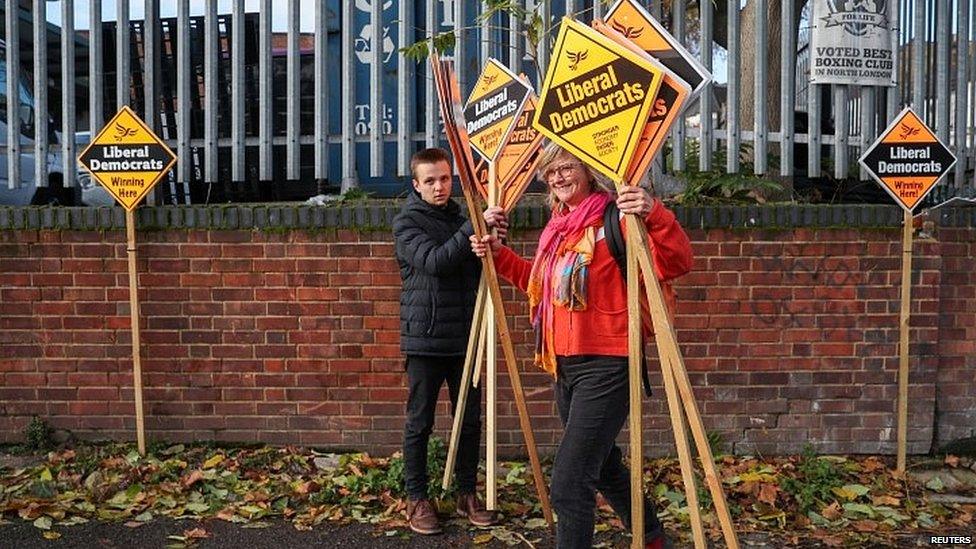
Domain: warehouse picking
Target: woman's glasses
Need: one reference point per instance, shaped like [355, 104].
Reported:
[564, 170]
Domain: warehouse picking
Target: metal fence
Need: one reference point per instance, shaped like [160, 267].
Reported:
[307, 96]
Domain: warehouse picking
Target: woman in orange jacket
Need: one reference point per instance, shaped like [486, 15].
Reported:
[578, 307]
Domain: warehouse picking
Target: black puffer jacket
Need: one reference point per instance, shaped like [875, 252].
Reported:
[440, 277]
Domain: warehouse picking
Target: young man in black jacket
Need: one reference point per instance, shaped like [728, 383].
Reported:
[440, 278]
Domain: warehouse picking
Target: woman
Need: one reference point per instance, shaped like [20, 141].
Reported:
[578, 306]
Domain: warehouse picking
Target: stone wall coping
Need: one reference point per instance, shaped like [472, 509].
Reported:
[374, 215]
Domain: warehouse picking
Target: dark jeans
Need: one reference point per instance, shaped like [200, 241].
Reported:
[425, 376]
[593, 401]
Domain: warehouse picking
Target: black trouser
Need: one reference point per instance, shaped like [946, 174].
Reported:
[593, 401]
[425, 376]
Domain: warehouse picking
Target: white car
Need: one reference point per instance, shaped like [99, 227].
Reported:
[26, 192]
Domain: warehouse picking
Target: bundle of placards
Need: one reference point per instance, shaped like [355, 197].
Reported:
[612, 92]
[496, 111]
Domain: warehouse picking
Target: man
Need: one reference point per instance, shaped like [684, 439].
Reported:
[440, 278]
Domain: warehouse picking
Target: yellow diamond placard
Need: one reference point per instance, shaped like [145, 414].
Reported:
[671, 98]
[493, 106]
[127, 158]
[630, 19]
[907, 160]
[596, 98]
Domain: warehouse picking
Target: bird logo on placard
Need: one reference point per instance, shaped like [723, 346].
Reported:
[487, 80]
[908, 131]
[628, 32]
[121, 132]
[576, 57]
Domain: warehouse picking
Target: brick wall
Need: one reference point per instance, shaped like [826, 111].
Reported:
[955, 406]
[290, 335]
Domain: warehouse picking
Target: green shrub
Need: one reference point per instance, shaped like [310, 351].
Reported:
[38, 435]
[815, 479]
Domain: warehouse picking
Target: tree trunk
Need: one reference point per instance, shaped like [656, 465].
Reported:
[747, 107]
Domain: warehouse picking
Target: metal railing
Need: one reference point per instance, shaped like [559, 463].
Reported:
[321, 99]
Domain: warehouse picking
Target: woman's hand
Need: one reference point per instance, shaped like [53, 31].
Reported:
[481, 247]
[497, 221]
[634, 200]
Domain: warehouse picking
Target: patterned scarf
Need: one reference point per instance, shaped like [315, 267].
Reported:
[559, 270]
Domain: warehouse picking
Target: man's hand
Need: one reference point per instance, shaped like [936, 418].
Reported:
[481, 247]
[634, 200]
[496, 220]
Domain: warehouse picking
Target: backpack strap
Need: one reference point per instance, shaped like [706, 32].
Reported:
[614, 237]
[618, 249]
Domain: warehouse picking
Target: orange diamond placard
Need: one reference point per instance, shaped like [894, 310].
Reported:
[127, 158]
[908, 159]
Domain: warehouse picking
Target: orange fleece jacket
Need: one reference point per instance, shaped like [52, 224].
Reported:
[601, 328]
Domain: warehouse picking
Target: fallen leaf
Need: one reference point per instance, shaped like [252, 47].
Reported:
[61, 457]
[482, 539]
[134, 524]
[952, 461]
[873, 464]
[44, 523]
[767, 493]
[832, 511]
[173, 450]
[195, 476]
[52, 535]
[865, 525]
[196, 533]
[886, 500]
[213, 461]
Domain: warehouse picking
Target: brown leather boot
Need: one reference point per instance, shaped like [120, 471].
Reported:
[422, 517]
[468, 505]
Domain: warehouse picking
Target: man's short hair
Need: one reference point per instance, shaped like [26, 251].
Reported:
[432, 155]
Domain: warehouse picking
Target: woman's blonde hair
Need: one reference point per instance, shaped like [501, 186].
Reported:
[550, 153]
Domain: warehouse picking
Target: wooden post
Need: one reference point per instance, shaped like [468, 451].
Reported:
[906, 311]
[667, 344]
[491, 378]
[635, 345]
[480, 356]
[491, 423]
[462, 399]
[678, 425]
[130, 231]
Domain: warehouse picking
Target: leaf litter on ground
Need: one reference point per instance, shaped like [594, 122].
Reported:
[833, 499]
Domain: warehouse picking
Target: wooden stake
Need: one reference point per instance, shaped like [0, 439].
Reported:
[501, 324]
[667, 344]
[491, 377]
[462, 398]
[505, 338]
[130, 231]
[635, 345]
[480, 356]
[491, 423]
[680, 429]
[906, 311]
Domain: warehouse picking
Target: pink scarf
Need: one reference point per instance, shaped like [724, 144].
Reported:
[559, 273]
